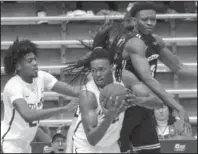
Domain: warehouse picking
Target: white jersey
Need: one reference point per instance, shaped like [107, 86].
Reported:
[112, 135]
[14, 129]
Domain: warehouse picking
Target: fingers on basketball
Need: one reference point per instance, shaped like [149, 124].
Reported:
[111, 92]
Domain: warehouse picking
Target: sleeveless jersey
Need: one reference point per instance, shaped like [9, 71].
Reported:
[152, 52]
[112, 134]
[13, 127]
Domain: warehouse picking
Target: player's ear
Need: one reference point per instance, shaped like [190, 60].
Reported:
[18, 67]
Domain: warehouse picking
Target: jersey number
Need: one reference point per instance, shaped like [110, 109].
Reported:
[152, 69]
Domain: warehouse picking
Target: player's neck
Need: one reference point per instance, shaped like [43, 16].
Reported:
[163, 123]
[139, 32]
[26, 79]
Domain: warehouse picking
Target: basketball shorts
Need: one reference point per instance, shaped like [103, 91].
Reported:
[139, 131]
[12, 147]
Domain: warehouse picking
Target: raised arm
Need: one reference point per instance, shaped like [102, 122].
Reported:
[172, 61]
[52, 84]
[66, 89]
[136, 49]
[88, 105]
[145, 97]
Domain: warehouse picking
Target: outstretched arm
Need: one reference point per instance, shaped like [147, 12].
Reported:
[66, 89]
[31, 115]
[172, 61]
[145, 97]
[136, 49]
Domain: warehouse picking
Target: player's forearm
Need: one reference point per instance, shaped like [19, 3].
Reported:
[66, 89]
[97, 133]
[70, 90]
[150, 102]
[162, 94]
[35, 115]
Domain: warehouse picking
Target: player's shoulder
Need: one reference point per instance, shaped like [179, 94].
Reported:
[159, 40]
[135, 44]
[89, 89]
[90, 86]
[135, 41]
[42, 73]
[13, 82]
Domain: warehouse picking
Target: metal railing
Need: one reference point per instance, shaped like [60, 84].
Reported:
[55, 69]
[21, 20]
[181, 41]
[193, 120]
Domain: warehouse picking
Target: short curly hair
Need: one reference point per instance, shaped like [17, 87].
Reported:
[16, 52]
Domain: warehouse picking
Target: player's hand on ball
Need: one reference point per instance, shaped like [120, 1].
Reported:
[115, 107]
[131, 99]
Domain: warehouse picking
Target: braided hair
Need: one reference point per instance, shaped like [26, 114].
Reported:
[107, 38]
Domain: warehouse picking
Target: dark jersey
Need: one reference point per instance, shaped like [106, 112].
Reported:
[152, 52]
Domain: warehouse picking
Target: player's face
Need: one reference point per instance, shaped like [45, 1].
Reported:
[59, 145]
[28, 65]
[146, 21]
[102, 72]
[162, 113]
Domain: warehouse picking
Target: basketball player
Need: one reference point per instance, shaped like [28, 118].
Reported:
[95, 131]
[138, 50]
[23, 97]
[141, 50]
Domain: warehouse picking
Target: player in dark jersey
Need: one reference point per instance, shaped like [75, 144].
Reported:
[138, 51]
[144, 48]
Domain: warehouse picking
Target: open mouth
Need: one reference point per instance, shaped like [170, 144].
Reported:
[35, 69]
[61, 150]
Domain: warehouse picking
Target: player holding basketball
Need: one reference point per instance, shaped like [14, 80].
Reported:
[138, 50]
[23, 97]
[96, 130]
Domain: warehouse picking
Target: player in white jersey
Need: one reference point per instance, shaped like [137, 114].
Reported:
[94, 131]
[23, 97]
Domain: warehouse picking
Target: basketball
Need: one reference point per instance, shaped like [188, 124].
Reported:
[112, 90]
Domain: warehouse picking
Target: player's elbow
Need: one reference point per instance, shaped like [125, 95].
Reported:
[27, 116]
[91, 140]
